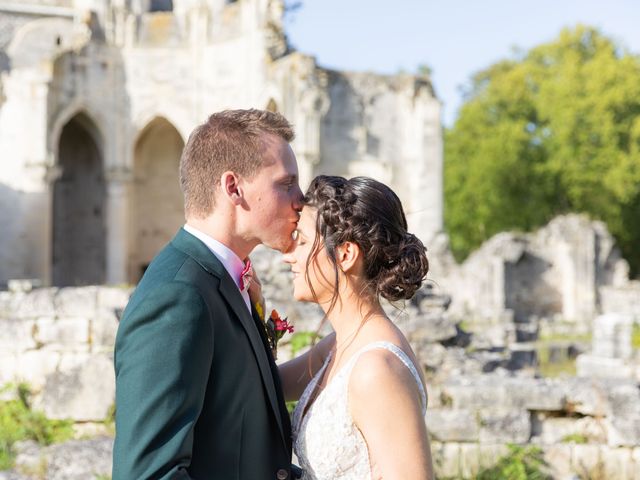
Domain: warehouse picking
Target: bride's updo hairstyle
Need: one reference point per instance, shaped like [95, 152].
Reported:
[366, 212]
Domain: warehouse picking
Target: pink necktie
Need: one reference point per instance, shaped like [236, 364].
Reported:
[245, 276]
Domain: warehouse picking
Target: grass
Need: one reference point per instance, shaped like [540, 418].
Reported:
[300, 340]
[548, 369]
[635, 336]
[575, 438]
[521, 463]
[19, 422]
[563, 337]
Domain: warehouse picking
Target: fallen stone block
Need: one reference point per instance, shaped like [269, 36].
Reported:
[447, 425]
[504, 426]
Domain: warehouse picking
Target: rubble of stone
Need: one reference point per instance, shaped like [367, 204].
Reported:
[484, 389]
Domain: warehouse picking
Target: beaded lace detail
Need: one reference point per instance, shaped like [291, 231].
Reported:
[328, 444]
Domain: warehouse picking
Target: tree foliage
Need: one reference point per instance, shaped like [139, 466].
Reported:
[556, 130]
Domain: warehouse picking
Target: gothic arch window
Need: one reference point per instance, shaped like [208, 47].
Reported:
[158, 209]
[161, 6]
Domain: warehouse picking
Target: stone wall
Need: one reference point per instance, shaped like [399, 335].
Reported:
[585, 427]
[60, 342]
[565, 273]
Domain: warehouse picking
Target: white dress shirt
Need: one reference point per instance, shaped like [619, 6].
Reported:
[230, 261]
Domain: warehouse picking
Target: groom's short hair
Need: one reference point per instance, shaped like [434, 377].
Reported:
[229, 140]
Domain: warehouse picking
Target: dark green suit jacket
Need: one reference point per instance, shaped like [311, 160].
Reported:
[197, 391]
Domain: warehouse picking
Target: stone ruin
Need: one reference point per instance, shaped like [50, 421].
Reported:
[484, 387]
[97, 98]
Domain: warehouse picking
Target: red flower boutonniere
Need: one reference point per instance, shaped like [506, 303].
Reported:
[276, 328]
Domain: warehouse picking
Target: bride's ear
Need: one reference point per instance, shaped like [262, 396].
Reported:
[348, 257]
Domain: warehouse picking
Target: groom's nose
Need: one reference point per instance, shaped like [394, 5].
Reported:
[298, 196]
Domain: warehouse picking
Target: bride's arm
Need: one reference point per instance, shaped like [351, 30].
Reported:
[386, 406]
[296, 373]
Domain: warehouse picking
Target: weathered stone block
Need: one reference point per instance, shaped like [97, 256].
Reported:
[448, 425]
[72, 460]
[475, 392]
[76, 302]
[37, 303]
[490, 453]
[484, 391]
[586, 460]
[504, 426]
[558, 457]
[624, 431]
[103, 332]
[9, 362]
[62, 333]
[425, 327]
[586, 396]
[538, 394]
[552, 430]
[113, 298]
[16, 335]
[469, 460]
[624, 399]
[430, 355]
[83, 388]
[446, 459]
[35, 366]
[635, 457]
[618, 463]
[590, 366]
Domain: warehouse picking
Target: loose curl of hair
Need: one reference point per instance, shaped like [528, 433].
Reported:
[368, 213]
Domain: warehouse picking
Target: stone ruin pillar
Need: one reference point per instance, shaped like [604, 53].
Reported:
[611, 355]
[612, 336]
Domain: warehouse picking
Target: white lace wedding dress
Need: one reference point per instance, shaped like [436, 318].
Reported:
[327, 443]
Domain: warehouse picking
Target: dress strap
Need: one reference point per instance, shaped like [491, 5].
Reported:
[398, 352]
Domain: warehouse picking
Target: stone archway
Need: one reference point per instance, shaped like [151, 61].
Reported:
[157, 204]
[79, 195]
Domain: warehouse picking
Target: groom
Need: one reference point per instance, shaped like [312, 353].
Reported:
[197, 391]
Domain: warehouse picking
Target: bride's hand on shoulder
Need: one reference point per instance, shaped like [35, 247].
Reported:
[386, 406]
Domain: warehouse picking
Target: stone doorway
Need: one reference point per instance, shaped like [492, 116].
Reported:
[157, 205]
[79, 196]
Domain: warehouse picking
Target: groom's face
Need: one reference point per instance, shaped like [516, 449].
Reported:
[273, 196]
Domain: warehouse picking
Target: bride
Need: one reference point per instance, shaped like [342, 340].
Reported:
[361, 416]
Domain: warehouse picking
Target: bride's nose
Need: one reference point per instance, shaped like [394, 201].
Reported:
[288, 257]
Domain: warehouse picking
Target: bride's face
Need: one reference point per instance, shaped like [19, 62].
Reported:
[320, 273]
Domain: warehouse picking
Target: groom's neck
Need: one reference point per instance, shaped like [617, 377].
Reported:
[223, 229]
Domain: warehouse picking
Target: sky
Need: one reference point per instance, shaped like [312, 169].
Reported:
[455, 38]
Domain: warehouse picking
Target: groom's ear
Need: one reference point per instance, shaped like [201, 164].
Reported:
[230, 187]
[349, 257]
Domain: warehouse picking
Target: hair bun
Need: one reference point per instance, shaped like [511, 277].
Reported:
[405, 269]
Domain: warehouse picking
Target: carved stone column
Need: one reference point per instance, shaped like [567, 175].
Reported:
[118, 188]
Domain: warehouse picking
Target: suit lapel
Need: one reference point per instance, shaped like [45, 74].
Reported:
[233, 297]
[193, 247]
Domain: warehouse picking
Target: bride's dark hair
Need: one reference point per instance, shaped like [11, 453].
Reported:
[367, 212]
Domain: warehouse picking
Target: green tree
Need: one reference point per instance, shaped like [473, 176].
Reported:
[554, 130]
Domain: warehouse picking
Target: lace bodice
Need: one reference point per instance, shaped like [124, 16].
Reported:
[328, 444]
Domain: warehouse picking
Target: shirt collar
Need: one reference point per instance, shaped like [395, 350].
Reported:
[230, 261]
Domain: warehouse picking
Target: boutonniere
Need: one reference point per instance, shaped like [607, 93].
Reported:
[276, 328]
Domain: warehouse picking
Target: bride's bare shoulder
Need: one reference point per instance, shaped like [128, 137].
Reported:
[380, 372]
